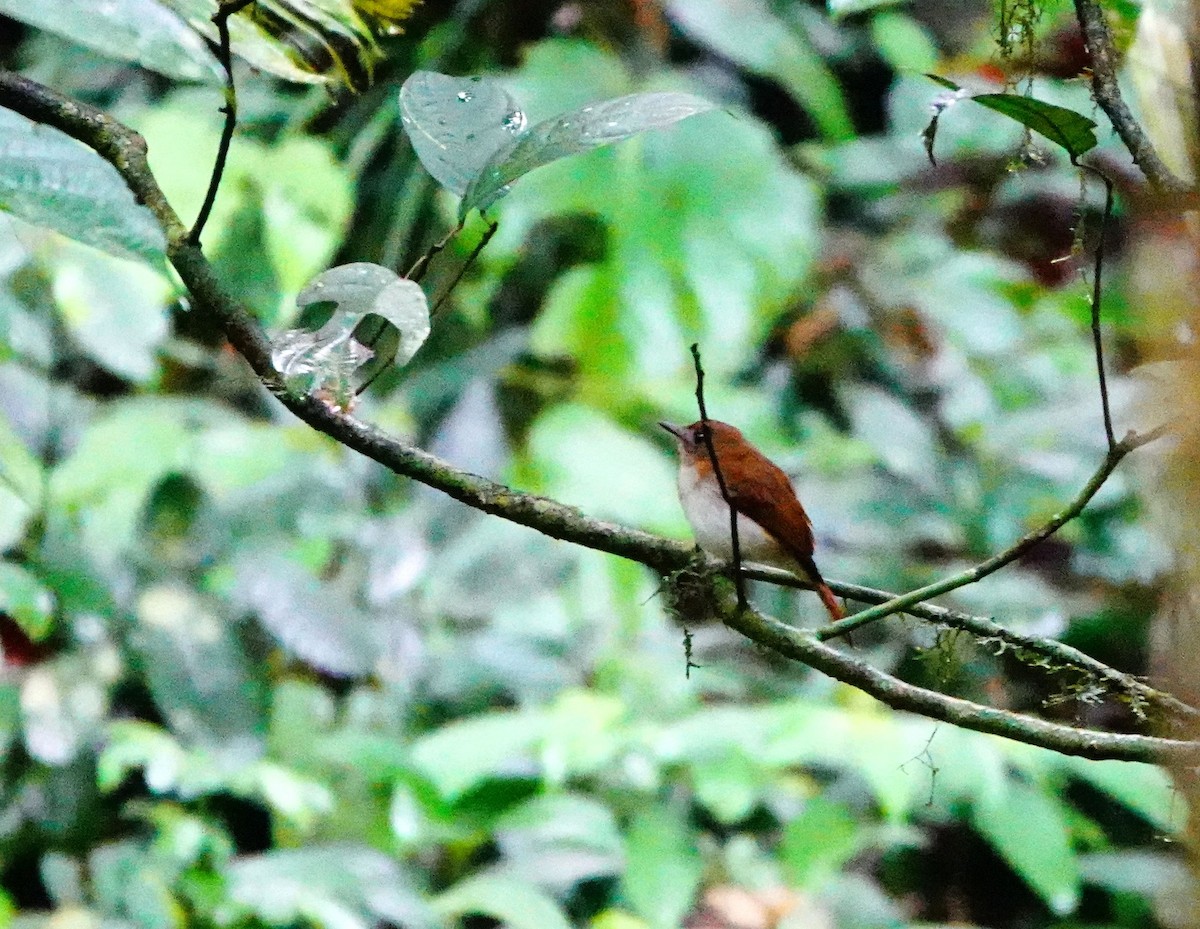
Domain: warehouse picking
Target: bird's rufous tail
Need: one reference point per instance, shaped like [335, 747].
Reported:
[830, 601]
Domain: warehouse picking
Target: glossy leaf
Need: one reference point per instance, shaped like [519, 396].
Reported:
[456, 124]
[1065, 128]
[143, 31]
[49, 179]
[471, 136]
[1071, 131]
[593, 126]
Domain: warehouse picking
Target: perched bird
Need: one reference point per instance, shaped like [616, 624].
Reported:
[773, 528]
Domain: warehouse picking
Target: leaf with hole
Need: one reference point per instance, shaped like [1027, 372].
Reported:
[324, 360]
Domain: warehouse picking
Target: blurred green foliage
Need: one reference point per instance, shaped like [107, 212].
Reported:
[251, 679]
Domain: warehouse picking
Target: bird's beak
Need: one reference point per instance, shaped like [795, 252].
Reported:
[676, 431]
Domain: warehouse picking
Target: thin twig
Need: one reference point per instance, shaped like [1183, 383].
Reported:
[482, 244]
[1009, 555]
[225, 56]
[421, 265]
[739, 581]
[1107, 92]
[383, 366]
[1097, 270]
[126, 151]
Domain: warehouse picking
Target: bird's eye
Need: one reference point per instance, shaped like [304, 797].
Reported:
[700, 434]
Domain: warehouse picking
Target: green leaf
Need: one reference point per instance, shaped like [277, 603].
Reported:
[143, 31]
[1143, 788]
[749, 33]
[728, 785]
[663, 866]
[904, 43]
[198, 675]
[115, 309]
[49, 179]
[514, 903]
[26, 599]
[461, 755]
[348, 886]
[850, 7]
[593, 126]
[324, 361]
[456, 124]
[818, 842]
[1066, 128]
[20, 485]
[1028, 829]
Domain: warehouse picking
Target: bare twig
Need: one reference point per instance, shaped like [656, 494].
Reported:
[739, 581]
[1009, 555]
[1097, 270]
[482, 244]
[125, 150]
[421, 265]
[1108, 95]
[224, 55]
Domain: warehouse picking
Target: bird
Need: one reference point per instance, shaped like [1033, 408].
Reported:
[773, 528]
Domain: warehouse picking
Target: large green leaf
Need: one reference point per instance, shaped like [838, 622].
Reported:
[749, 33]
[143, 31]
[512, 902]
[1027, 826]
[49, 179]
[662, 866]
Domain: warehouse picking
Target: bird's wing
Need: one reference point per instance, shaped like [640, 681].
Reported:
[770, 500]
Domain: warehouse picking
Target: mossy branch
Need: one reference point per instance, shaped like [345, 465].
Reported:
[126, 151]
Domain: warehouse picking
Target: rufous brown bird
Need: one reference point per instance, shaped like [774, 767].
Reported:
[773, 528]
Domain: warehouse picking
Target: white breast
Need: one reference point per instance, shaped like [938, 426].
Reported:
[708, 513]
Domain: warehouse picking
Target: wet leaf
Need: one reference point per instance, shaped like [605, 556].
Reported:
[143, 31]
[593, 126]
[456, 124]
[324, 361]
[471, 136]
[49, 179]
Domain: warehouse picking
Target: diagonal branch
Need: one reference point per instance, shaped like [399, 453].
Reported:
[1108, 95]
[1012, 553]
[126, 151]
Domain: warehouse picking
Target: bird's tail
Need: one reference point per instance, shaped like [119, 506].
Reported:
[830, 601]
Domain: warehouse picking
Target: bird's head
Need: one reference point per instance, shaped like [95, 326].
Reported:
[690, 439]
